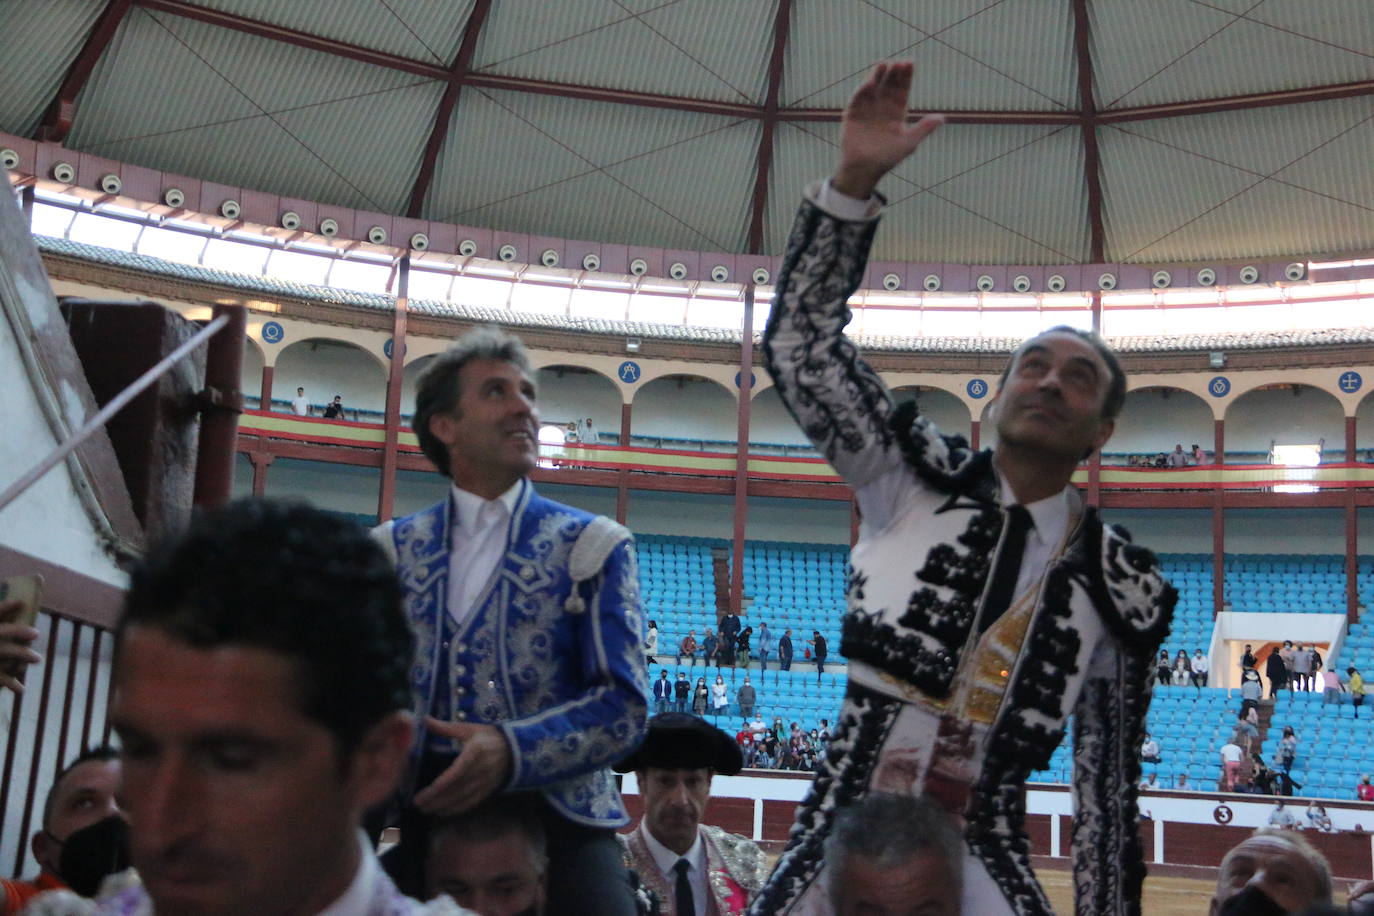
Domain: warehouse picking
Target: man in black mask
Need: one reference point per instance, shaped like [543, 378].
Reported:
[1271, 873]
[85, 835]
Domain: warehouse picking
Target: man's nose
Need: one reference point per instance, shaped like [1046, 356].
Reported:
[163, 805]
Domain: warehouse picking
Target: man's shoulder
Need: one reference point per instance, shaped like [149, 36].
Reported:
[742, 857]
[1139, 600]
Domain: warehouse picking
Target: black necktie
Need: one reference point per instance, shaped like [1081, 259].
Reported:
[683, 903]
[1002, 587]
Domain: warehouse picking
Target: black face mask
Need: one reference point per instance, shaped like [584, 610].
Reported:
[1251, 902]
[91, 853]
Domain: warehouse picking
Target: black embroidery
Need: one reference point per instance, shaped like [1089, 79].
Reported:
[841, 779]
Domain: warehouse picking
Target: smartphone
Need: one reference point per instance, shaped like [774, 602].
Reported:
[26, 589]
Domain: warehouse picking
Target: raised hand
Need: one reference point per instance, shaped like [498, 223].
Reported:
[874, 134]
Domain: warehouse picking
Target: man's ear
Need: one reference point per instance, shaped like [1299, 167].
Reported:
[46, 850]
[1104, 432]
[442, 426]
[380, 758]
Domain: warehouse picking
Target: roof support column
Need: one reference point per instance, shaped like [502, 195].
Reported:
[386, 497]
[61, 114]
[1092, 162]
[746, 393]
[759, 202]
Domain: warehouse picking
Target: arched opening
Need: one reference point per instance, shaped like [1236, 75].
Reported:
[684, 412]
[1153, 421]
[250, 378]
[326, 368]
[1284, 415]
[573, 394]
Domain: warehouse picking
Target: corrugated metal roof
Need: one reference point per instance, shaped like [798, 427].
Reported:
[966, 57]
[518, 161]
[38, 43]
[1188, 188]
[418, 29]
[707, 49]
[1192, 50]
[256, 113]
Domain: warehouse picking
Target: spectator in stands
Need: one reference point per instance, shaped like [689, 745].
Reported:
[1199, 455]
[1183, 669]
[1149, 751]
[1161, 460]
[260, 715]
[1277, 672]
[300, 404]
[1200, 668]
[84, 835]
[1251, 689]
[1247, 659]
[757, 726]
[15, 642]
[570, 434]
[1288, 749]
[587, 432]
[730, 627]
[1302, 667]
[701, 697]
[746, 696]
[720, 701]
[1356, 687]
[1177, 458]
[688, 648]
[818, 642]
[825, 733]
[334, 410]
[785, 651]
[765, 646]
[1262, 778]
[894, 854]
[1163, 668]
[1148, 782]
[1288, 653]
[1365, 790]
[1318, 819]
[710, 648]
[1231, 757]
[663, 692]
[693, 867]
[1272, 871]
[1282, 818]
[681, 690]
[1182, 783]
[651, 644]
[1318, 663]
[1247, 730]
[742, 647]
[1332, 687]
[492, 860]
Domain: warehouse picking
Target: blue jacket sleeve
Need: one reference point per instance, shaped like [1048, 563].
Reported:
[602, 720]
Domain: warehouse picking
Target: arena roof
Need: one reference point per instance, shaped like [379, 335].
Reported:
[1082, 131]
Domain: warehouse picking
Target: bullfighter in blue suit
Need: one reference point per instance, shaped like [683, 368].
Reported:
[529, 668]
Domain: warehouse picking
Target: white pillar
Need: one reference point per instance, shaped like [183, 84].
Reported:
[758, 819]
[1054, 835]
[1159, 842]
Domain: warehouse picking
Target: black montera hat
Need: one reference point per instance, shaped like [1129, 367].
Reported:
[678, 741]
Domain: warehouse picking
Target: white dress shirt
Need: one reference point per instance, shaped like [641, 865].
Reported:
[666, 859]
[480, 529]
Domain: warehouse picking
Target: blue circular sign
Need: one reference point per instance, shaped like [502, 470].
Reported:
[1350, 381]
[753, 379]
[1219, 387]
[628, 372]
[977, 388]
[389, 346]
[273, 332]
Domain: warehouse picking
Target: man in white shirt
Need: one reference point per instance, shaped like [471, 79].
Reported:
[1200, 668]
[300, 404]
[1178, 458]
[987, 603]
[695, 869]
[1231, 757]
[529, 677]
[250, 745]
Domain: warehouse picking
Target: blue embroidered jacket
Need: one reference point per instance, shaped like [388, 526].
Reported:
[551, 654]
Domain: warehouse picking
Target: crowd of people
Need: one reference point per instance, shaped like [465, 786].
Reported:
[734, 644]
[1177, 458]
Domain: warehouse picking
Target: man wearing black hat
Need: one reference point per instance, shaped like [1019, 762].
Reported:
[695, 869]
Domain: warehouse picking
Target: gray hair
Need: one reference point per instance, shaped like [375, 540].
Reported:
[889, 830]
[438, 392]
